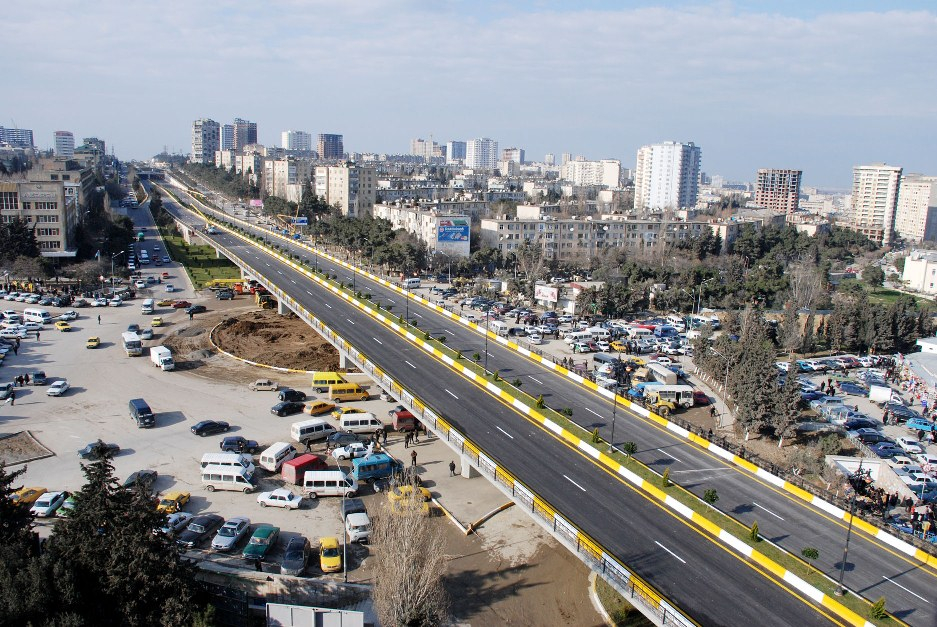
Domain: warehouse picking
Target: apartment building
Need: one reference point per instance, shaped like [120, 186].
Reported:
[875, 201]
[916, 213]
[778, 190]
[455, 153]
[513, 154]
[281, 173]
[44, 206]
[296, 140]
[445, 233]
[606, 172]
[206, 140]
[330, 146]
[920, 271]
[227, 137]
[64, 144]
[667, 176]
[19, 137]
[245, 133]
[351, 187]
[481, 154]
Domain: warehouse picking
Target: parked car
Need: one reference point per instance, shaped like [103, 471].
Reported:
[351, 450]
[910, 445]
[858, 423]
[295, 557]
[68, 315]
[920, 424]
[27, 496]
[194, 309]
[289, 394]
[264, 384]
[58, 388]
[287, 408]
[181, 304]
[93, 342]
[330, 555]
[47, 503]
[172, 502]
[342, 438]
[262, 541]
[280, 498]
[238, 444]
[886, 449]
[146, 478]
[210, 427]
[317, 407]
[852, 389]
[175, 522]
[146, 334]
[231, 533]
[198, 529]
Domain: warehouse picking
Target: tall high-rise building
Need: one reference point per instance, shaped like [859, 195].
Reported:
[64, 144]
[296, 140]
[245, 133]
[667, 176]
[567, 157]
[330, 146]
[421, 148]
[227, 137]
[778, 190]
[481, 154]
[455, 152]
[875, 200]
[353, 188]
[916, 215]
[549, 159]
[513, 154]
[20, 137]
[206, 139]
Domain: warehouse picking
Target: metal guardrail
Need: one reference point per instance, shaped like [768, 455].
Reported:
[590, 552]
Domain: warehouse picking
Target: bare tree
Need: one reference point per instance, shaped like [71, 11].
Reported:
[408, 588]
[805, 284]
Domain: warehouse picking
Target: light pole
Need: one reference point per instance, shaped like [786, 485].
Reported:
[840, 590]
[112, 265]
[611, 442]
[486, 343]
[449, 259]
[699, 300]
[344, 534]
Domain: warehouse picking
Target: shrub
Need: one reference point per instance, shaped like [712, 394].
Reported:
[516, 383]
[753, 533]
[567, 411]
[476, 357]
[877, 610]
[665, 478]
[711, 496]
[629, 448]
[595, 436]
[540, 403]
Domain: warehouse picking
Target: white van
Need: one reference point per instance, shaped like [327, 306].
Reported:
[599, 333]
[361, 423]
[275, 454]
[500, 327]
[577, 336]
[640, 333]
[217, 477]
[318, 483]
[677, 322]
[411, 283]
[147, 306]
[311, 430]
[37, 315]
[232, 460]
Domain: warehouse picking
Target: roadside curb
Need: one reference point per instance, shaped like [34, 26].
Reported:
[449, 515]
[32, 439]
[211, 339]
[478, 523]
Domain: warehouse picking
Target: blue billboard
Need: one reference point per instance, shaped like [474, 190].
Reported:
[303, 221]
[453, 231]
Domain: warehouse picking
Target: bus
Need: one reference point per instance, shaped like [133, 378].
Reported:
[132, 344]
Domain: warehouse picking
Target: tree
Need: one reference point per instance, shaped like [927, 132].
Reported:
[810, 554]
[873, 275]
[788, 412]
[18, 239]
[711, 496]
[408, 578]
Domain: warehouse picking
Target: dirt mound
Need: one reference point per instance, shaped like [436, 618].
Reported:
[275, 340]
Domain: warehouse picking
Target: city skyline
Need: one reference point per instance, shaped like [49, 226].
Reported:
[818, 90]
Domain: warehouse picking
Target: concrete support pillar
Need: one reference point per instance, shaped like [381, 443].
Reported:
[186, 236]
[468, 470]
[218, 254]
[281, 308]
[342, 361]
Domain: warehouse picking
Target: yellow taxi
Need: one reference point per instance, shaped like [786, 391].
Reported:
[316, 408]
[93, 342]
[61, 325]
[157, 321]
[172, 502]
[330, 555]
[27, 496]
[341, 411]
[619, 346]
[166, 302]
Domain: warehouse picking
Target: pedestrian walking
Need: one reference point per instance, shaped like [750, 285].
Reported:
[413, 458]
[15, 349]
[712, 411]
[452, 469]
[99, 319]
[416, 433]
[384, 437]
[26, 378]
[406, 440]
[13, 399]
[37, 336]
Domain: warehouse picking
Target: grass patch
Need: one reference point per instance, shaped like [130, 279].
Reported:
[622, 613]
[887, 297]
[200, 262]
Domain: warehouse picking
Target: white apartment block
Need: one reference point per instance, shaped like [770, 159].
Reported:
[351, 187]
[481, 154]
[916, 215]
[225, 158]
[920, 271]
[425, 149]
[667, 176]
[64, 144]
[875, 201]
[280, 173]
[513, 154]
[296, 140]
[778, 190]
[444, 233]
[46, 206]
[206, 140]
[606, 172]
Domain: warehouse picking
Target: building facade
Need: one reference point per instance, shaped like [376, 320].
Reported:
[606, 172]
[19, 137]
[279, 174]
[245, 133]
[916, 214]
[481, 154]
[920, 271]
[330, 146]
[778, 190]
[445, 233]
[667, 176]
[455, 153]
[227, 137]
[351, 187]
[875, 201]
[513, 154]
[64, 144]
[44, 206]
[296, 140]
[206, 140]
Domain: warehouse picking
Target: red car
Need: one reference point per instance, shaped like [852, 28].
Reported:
[181, 304]
[165, 275]
[700, 398]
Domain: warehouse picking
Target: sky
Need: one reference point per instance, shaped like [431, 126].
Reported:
[817, 86]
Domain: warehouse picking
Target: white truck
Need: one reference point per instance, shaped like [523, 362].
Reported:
[162, 358]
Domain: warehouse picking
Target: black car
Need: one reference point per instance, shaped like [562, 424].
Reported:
[287, 408]
[353, 506]
[238, 444]
[224, 295]
[295, 557]
[198, 529]
[99, 450]
[210, 427]
[288, 394]
[146, 478]
[875, 438]
[341, 438]
[194, 309]
[133, 328]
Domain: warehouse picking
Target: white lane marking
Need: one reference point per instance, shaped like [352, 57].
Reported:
[504, 432]
[452, 395]
[701, 469]
[310, 293]
[280, 272]
[535, 379]
[378, 341]
[489, 354]
[448, 331]
[293, 281]
[669, 551]
[417, 315]
[267, 264]
[767, 510]
[592, 412]
[409, 364]
[574, 483]
[327, 305]
[669, 455]
[903, 588]
[391, 300]
[350, 320]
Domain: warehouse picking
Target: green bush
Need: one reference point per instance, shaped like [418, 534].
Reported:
[629, 448]
[753, 533]
[711, 496]
[877, 610]
[595, 436]
[665, 478]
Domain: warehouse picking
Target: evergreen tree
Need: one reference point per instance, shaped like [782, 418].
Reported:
[754, 380]
[787, 410]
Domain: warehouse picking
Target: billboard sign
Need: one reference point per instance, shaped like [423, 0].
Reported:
[455, 230]
[546, 293]
[257, 203]
[300, 221]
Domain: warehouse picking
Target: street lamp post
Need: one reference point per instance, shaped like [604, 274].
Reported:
[449, 259]
[486, 342]
[699, 300]
[344, 534]
[112, 264]
[611, 442]
[840, 590]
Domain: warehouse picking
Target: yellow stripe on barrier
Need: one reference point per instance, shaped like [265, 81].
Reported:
[845, 613]
[543, 507]
[776, 569]
[474, 449]
[587, 542]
